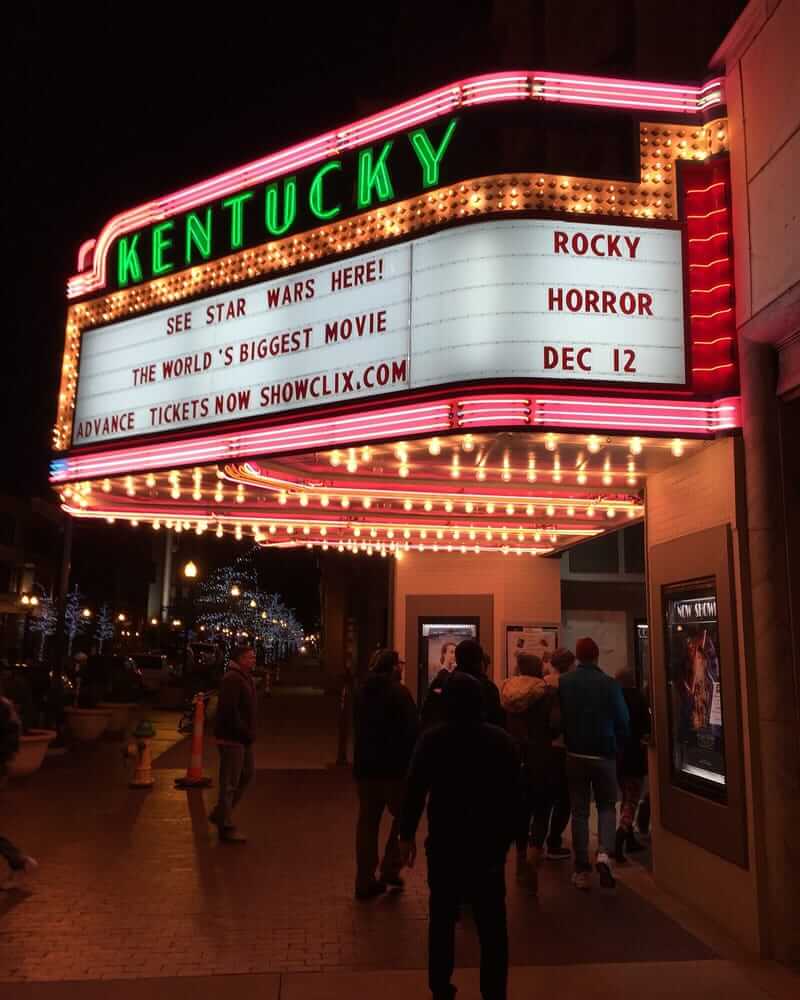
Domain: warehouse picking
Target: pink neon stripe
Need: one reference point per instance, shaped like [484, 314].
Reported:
[473, 90]
[706, 189]
[720, 312]
[708, 291]
[712, 263]
[710, 343]
[707, 239]
[697, 417]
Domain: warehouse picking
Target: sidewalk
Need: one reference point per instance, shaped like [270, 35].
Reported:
[135, 888]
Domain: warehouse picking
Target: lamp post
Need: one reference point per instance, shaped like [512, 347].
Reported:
[190, 575]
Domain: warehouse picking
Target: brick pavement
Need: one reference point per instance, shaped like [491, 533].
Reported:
[135, 886]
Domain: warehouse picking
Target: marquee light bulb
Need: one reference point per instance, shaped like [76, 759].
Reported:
[175, 494]
[468, 444]
[490, 508]
[352, 465]
[448, 506]
[428, 506]
[480, 474]
[554, 538]
[408, 505]
[156, 525]
[550, 442]
[366, 454]
[336, 458]
[306, 530]
[608, 479]
[197, 495]
[324, 500]
[106, 486]
[150, 481]
[406, 533]
[219, 496]
[345, 502]
[510, 509]
[357, 531]
[505, 475]
[581, 478]
[489, 535]
[611, 513]
[570, 512]
[590, 511]
[435, 446]
[550, 510]
[631, 513]
[636, 446]
[593, 444]
[469, 507]
[537, 536]
[677, 447]
[366, 503]
[220, 531]
[403, 471]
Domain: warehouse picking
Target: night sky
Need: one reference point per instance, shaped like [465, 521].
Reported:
[107, 106]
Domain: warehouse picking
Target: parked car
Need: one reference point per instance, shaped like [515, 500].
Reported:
[155, 669]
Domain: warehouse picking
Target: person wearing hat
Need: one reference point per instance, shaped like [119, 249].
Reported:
[468, 771]
[595, 723]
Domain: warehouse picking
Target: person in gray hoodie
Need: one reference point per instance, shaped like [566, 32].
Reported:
[529, 703]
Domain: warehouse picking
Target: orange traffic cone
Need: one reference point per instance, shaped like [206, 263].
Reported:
[194, 773]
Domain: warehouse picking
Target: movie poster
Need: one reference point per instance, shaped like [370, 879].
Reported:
[441, 641]
[695, 688]
[540, 640]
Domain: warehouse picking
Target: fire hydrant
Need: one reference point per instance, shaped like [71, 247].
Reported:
[140, 750]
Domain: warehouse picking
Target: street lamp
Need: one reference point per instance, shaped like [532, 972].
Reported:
[190, 570]
[121, 617]
[86, 613]
[235, 592]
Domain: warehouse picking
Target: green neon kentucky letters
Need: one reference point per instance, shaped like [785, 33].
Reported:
[128, 263]
[315, 192]
[289, 207]
[159, 245]
[374, 175]
[198, 235]
[430, 159]
[236, 205]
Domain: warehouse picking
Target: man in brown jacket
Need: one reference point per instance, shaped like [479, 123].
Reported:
[235, 731]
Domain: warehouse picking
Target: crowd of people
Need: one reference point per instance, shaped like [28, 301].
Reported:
[496, 767]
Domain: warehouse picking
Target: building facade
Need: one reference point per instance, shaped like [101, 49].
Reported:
[446, 338]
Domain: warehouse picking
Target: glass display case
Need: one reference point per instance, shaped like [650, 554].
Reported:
[694, 680]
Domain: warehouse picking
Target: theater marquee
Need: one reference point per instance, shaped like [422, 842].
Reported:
[519, 299]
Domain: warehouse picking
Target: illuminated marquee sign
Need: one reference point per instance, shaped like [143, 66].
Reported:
[524, 299]
[340, 186]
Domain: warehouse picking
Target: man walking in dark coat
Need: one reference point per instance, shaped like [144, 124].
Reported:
[235, 731]
[385, 730]
[469, 772]
[470, 660]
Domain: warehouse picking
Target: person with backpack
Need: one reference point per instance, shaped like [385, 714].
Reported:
[20, 865]
[530, 705]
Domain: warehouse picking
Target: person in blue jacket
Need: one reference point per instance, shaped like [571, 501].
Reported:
[595, 721]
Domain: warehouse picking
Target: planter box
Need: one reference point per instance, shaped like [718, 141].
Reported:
[87, 724]
[120, 715]
[32, 748]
